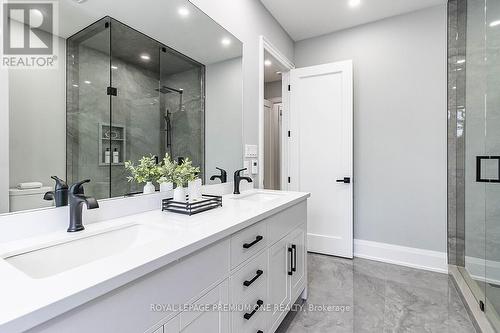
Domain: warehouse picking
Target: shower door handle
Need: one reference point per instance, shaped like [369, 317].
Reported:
[346, 180]
[479, 162]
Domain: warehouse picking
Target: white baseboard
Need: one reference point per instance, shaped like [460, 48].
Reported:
[483, 270]
[401, 255]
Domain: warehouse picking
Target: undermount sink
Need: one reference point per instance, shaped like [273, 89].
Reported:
[258, 196]
[56, 258]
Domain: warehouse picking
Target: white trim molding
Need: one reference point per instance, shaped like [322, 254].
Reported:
[401, 255]
[265, 45]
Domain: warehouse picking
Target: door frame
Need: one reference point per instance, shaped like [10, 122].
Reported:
[265, 45]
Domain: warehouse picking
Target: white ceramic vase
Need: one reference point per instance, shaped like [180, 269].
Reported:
[167, 188]
[194, 190]
[180, 194]
[149, 188]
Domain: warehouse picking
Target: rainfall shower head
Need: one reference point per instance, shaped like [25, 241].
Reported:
[168, 90]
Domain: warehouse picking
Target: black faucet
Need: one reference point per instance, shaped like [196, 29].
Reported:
[60, 193]
[222, 176]
[76, 201]
[238, 179]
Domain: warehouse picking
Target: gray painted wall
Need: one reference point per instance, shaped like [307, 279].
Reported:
[4, 140]
[272, 89]
[223, 118]
[247, 20]
[399, 124]
[38, 120]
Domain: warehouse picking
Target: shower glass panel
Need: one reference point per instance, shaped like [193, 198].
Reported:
[135, 110]
[88, 74]
[492, 167]
[474, 111]
[182, 107]
[129, 96]
[474, 145]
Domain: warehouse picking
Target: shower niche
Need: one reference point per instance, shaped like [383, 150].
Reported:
[112, 144]
[129, 96]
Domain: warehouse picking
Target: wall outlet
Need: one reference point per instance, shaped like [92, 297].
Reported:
[246, 165]
[255, 167]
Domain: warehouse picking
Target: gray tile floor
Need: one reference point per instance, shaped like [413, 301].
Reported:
[378, 297]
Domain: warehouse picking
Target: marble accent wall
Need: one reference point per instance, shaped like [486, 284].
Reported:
[457, 29]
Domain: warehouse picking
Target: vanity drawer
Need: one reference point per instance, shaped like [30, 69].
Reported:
[248, 242]
[250, 279]
[257, 321]
[284, 222]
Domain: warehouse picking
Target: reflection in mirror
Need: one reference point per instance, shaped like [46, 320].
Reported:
[124, 87]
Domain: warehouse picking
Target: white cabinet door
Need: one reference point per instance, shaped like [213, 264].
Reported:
[211, 319]
[172, 326]
[279, 281]
[297, 241]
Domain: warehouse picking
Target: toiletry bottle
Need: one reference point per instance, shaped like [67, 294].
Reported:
[116, 156]
[107, 156]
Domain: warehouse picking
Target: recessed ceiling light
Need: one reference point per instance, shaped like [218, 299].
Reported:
[494, 23]
[75, 85]
[354, 3]
[183, 11]
[145, 57]
[461, 61]
[279, 73]
[114, 67]
[80, 1]
[87, 82]
[225, 41]
[267, 62]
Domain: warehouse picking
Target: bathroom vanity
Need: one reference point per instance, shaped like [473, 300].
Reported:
[162, 272]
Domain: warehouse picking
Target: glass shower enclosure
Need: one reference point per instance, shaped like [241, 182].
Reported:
[129, 96]
[474, 148]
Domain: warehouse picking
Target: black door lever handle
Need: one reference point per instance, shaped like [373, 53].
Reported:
[346, 180]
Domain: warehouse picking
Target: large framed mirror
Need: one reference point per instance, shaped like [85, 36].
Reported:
[166, 79]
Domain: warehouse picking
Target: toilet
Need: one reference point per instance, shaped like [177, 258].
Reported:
[29, 199]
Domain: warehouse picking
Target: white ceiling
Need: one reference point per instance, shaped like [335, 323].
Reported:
[195, 35]
[311, 18]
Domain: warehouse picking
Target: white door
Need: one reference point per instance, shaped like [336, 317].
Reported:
[321, 116]
[297, 242]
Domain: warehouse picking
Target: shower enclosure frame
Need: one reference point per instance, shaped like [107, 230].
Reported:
[472, 120]
[112, 92]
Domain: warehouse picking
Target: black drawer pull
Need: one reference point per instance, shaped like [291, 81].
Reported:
[259, 331]
[258, 274]
[249, 245]
[290, 252]
[294, 262]
[247, 316]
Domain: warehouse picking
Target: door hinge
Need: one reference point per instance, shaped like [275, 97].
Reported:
[289, 180]
[289, 87]
[481, 305]
[112, 91]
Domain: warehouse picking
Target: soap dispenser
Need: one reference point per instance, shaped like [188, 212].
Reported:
[107, 156]
[116, 156]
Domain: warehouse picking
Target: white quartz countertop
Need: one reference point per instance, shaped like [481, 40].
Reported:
[26, 302]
